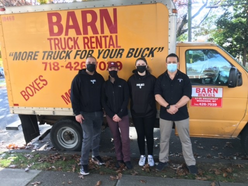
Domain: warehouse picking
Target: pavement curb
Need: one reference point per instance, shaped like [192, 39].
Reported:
[14, 177]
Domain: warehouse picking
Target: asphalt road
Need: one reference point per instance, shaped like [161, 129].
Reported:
[203, 148]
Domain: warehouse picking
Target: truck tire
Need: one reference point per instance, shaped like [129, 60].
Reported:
[244, 139]
[66, 135]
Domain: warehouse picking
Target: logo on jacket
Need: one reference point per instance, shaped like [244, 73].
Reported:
[140, 85]
[93, 81]
[180, 80]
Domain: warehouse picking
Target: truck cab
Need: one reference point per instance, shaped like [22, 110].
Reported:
[218, 108]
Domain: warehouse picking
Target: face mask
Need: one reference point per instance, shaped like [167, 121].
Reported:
[113, 73]
[141, 69]
[91, 67]
[172, 67]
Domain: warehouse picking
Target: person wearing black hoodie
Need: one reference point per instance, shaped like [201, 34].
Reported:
[115, 99]
[143, 108]
[86, 90]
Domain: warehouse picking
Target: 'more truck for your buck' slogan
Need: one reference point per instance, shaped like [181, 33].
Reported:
[44, 46]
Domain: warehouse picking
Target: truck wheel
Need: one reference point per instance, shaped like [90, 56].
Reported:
[66, 135]
[244, 139]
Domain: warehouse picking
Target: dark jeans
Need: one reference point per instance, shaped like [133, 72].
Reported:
[92, 128]
[120, 132]
[144, 128]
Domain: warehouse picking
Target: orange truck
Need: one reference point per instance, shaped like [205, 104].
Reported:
[44, 46]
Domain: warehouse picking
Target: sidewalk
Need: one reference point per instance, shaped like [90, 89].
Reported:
[18, 177]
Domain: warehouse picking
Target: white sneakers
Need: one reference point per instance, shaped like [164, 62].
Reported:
[142, 160]
[150, 161]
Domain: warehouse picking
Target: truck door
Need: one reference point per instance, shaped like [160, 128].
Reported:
[215, 109]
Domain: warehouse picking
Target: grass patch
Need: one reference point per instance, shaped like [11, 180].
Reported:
[6, 159]
[70, 163]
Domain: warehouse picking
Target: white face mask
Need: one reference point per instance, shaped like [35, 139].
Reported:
[172, 67]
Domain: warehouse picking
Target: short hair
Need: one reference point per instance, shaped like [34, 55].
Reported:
[172, 55]
[90, 57]
[141, 58]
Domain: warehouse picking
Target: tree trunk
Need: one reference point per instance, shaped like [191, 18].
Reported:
[244, 56]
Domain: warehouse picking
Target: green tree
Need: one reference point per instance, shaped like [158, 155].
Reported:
[232, 26]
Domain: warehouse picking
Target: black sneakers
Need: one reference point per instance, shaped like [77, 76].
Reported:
[97, 160]
[84, 170]
[119, 164]
[161, 166]
[192, 169]
[128, 164]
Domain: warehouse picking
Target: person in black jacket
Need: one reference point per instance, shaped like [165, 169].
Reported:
[86, 90]
[143, 108]
[115, 100]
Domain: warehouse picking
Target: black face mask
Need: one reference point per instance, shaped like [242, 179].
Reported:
[91, 67]
[113, 73]
[141, 69]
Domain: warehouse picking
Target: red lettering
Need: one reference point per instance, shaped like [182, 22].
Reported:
[198, 90]
[44, 81]
[111, 42]
[102, 65]
[203, 90]
[98, 42]
[24, 95]
[92, 42]
[66, 97]
[54, 22]
[116, 42]
[72, 17]
[112, 25]
[209, 90]
[29, 91]
[56, 44]
[215, 90]
[34, 88]
[119, 65]
[91, 24]
[90, 20]
[37, 84]
[86, 42]
[63, 43]
[83, 65]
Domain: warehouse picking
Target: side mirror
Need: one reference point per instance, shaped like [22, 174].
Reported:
[235, 78]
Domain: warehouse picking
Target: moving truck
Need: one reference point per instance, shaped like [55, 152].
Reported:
[44, 46]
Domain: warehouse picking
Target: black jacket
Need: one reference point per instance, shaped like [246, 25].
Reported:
[115, 97]
[141, 88]
[86, 92]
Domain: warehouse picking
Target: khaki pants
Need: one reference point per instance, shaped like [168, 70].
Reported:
[183, 132]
